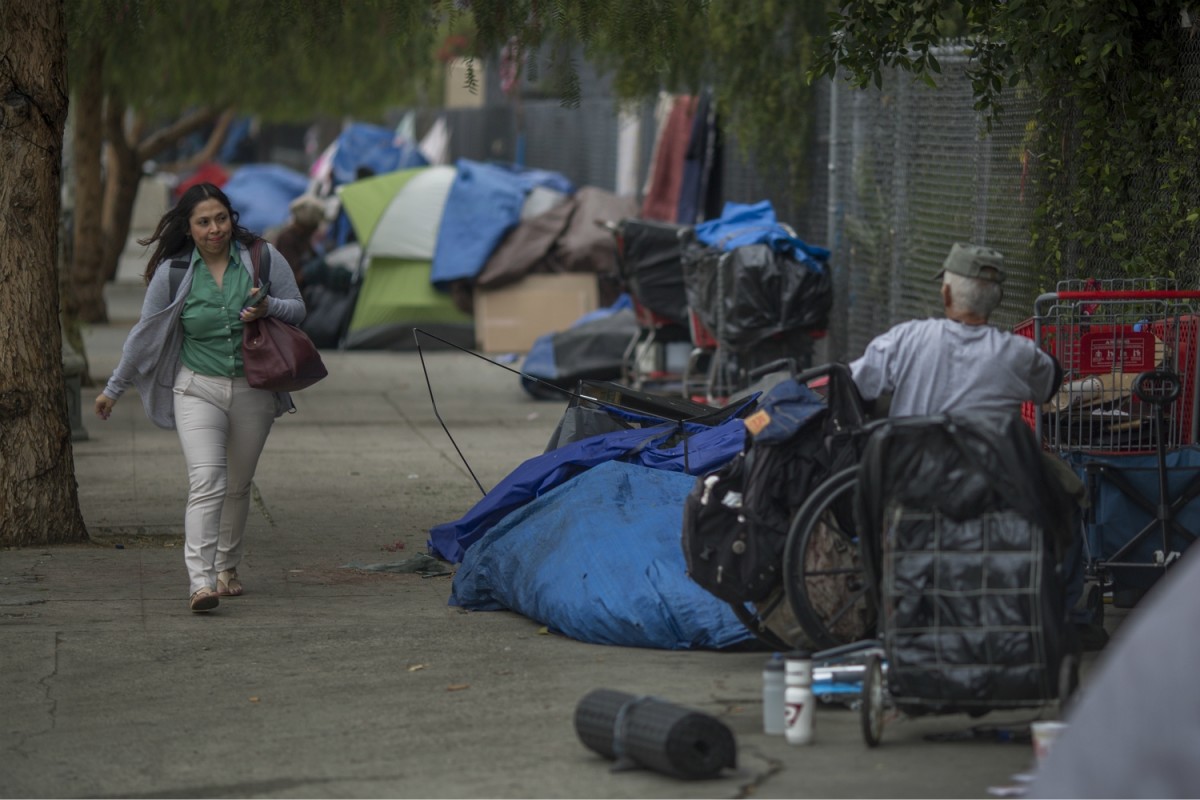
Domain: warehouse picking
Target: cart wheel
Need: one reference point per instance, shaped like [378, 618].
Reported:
[1068, 681]
[823, 573]
[1094, 603]
[871, 708]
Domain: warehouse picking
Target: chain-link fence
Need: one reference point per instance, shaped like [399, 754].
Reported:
[896, 176]
[913, 171]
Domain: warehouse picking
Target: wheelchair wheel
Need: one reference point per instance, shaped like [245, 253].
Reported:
[823, 572]
[871, 708]
[755, 619]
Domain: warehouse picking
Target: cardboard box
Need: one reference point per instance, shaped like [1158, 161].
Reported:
[510, 319]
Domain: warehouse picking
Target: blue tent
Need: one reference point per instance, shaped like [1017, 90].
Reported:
[599, 559]
[362, 146]
[261, 194]
[485, 201]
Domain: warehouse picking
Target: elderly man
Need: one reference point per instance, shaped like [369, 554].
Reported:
[961, 363]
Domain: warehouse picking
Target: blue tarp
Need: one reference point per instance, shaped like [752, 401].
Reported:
[742, 224]
[261, 194]
[238, 132]
[706, 449]
[788, 406]
[375, 148]
[599, 559]
[484, 202]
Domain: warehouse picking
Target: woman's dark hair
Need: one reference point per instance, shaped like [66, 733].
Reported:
[174, 227]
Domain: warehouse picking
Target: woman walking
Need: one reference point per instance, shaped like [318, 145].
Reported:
[184, 356]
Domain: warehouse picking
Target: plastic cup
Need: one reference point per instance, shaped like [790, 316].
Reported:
[1044, 734]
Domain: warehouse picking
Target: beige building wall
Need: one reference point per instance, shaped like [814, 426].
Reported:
[457, 93]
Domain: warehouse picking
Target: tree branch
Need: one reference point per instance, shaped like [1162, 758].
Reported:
[193, 121]
[215, 140]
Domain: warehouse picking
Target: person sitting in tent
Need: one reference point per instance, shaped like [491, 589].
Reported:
[295, 240]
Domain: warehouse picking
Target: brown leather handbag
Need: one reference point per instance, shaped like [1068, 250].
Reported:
[277, 356]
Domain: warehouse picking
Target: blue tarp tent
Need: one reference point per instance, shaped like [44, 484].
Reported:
[374, 148]
[485, 201]
[598, 559]
[593, 348]
[704, 449]
[261, 194]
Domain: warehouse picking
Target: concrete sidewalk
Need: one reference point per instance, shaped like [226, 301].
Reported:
[324, 681]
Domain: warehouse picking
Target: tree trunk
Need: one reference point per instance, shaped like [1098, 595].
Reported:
[126, 153]
[124, 172]
[87, 270]
[102, 228]
[38, 500]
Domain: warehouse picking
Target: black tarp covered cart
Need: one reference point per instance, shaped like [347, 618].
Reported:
[962, 532]
[648, 259]
[757, 290]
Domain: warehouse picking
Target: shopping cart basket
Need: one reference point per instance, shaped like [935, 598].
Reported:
[1126, 418]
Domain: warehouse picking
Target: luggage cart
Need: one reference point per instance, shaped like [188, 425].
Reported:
[1126, 419]
[964, 575]
[742, 319]
[648, 258]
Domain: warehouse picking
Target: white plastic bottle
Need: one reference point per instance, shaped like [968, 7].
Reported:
[772, 695]
[799, 700]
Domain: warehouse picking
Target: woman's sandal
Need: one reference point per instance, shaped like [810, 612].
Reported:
[228, 584]
[203, 600]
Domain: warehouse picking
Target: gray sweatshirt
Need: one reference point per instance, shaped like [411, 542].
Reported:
[150, 357]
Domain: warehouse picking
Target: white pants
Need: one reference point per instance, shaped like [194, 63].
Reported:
[223, 425]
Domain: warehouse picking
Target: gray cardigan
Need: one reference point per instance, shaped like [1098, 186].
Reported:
[150, 357]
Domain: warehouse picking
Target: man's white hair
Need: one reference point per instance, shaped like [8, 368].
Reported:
[972, 294]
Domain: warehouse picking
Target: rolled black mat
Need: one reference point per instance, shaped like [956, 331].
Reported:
[655, 734]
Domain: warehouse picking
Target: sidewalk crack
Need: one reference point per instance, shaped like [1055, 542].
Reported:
[758, 779]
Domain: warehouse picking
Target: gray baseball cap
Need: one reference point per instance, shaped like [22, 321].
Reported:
[974, 261]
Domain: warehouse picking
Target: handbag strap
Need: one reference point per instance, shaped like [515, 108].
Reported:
[256, 259]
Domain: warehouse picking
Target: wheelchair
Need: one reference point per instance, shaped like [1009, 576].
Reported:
[822, 599]
[936, 557]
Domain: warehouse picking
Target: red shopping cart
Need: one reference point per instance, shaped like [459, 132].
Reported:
[1126, 418]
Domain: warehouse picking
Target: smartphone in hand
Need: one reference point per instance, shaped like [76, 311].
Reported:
[258, 298]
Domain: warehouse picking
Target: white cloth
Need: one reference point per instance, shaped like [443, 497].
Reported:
[223, 424]
[436, 144]
[935, 365]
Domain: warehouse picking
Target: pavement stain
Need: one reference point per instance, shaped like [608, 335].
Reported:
[139, 536]
[339, 576]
